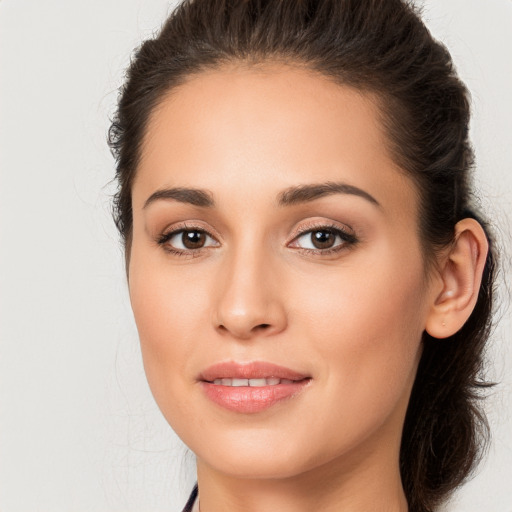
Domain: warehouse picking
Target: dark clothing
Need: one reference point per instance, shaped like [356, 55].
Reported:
[191, 500]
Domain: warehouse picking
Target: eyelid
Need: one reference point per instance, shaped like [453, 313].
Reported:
[180, 227]
[319, 224]
[189, 225]
[347, 235]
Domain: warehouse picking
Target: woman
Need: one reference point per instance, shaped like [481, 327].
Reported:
[311, 284]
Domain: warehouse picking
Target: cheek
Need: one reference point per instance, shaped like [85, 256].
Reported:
[366, 328]
[169, 309]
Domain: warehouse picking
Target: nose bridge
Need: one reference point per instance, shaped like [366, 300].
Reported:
[248, 301]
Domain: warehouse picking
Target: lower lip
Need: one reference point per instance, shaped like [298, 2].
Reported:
[247, 399]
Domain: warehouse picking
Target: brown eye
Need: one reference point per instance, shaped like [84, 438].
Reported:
[323, 239]
[187, 240]
[193, 239]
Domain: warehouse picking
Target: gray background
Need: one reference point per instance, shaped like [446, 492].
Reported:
[79, 430]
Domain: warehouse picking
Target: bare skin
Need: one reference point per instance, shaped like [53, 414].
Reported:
[331, 284]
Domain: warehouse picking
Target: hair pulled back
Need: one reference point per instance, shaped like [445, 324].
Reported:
[382, 47]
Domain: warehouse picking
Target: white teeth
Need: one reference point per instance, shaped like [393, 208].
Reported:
[257, 382]
[271, 381]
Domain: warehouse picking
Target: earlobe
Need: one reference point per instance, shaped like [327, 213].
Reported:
[460, 277]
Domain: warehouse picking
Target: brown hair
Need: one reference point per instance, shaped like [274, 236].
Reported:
[379, 46]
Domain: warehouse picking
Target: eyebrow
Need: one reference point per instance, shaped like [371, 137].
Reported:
[192, 196]
[291, 196]
[310, 192]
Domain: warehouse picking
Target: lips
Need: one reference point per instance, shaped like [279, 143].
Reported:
[253, 370]
[253, 383]
[251, 387]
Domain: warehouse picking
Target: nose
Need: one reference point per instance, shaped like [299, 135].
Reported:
[249, 300]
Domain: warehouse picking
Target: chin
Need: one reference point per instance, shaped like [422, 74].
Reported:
[259, 453]
[259, 465]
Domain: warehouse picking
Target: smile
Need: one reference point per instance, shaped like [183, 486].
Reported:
[251, 387]
[253, 383]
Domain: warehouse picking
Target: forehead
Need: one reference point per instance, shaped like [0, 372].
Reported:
[271, 124]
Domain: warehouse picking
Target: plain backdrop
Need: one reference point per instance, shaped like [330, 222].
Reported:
[79, 430]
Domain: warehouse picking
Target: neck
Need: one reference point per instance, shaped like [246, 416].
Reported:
[354, 483]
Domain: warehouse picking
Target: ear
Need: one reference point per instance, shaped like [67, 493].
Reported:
[458, 282]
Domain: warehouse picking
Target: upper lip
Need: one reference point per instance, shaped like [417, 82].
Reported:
[250, 370]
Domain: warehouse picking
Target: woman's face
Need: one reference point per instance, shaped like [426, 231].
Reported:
[274, 239]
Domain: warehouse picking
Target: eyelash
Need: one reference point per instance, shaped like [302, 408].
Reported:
[348, 240]
[191, 253]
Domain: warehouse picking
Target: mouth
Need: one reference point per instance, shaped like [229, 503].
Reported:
[253, 383]
[251, 387]
[231, 373]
